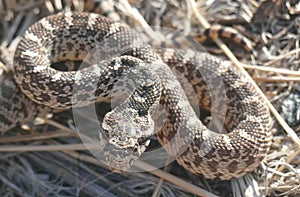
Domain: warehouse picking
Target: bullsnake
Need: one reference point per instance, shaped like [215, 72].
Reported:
[71, 36]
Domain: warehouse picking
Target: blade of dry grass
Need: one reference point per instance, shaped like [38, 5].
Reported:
[82, 136]
[3, 67]
[159, 173]
[277, 79]
[289, 159]
[13, 187]
[272, 69]
[281, 57]
[35, 136]
[22, 148]
[70, 149]
[157, 190]
[135, 14]
[173, 179]
[72, 176]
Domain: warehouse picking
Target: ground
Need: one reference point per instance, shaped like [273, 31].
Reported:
[55, 163]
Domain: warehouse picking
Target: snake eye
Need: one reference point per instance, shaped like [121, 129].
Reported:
[142, 140]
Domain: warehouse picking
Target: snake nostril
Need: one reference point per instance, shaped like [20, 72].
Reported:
[135, 149]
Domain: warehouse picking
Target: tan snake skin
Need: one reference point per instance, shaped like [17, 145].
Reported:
[71, 36]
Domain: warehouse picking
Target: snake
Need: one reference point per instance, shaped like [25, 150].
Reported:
[157, 77]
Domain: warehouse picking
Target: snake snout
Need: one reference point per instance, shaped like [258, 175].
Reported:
[120, 153]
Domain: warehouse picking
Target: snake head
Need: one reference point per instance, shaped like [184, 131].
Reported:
[126, 138]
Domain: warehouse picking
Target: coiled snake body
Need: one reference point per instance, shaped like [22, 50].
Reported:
[72, 36]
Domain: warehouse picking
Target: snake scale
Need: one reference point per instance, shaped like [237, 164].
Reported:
[158, 75]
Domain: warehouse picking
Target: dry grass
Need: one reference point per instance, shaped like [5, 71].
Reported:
[47, 158]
